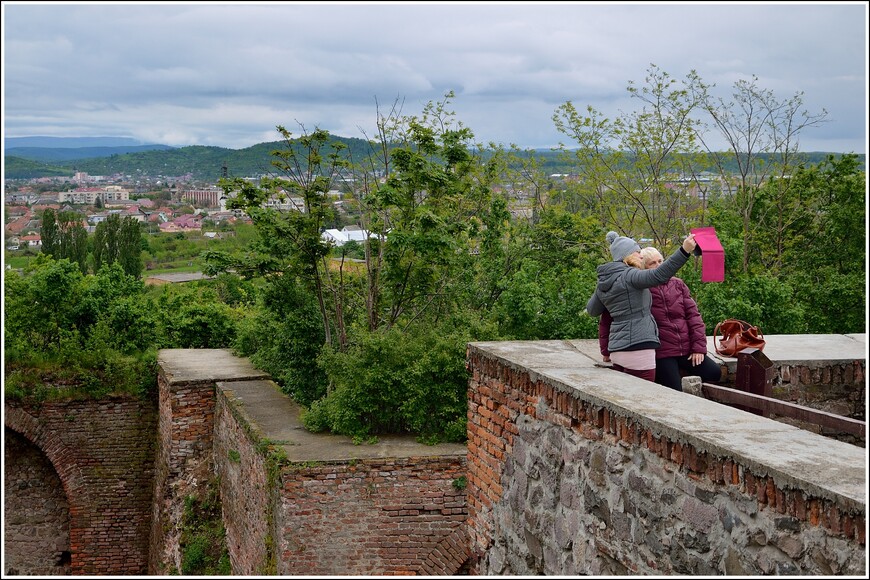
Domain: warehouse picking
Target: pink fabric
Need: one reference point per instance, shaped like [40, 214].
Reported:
[713, 255]
[636, 360]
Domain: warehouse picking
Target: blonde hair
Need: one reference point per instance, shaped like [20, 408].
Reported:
[650, 253]
[634, 261]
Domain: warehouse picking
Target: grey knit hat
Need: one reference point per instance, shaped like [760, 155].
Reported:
[621, 247]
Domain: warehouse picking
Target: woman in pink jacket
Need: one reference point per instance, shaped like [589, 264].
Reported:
[682, 333]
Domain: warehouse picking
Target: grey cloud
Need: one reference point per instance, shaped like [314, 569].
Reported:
[227, 74]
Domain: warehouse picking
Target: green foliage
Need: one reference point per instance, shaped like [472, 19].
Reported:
[284, 338]
[759, 299]
[193, 319]
[203, 538]
[805, 274]
[395, 381]
[545, 298]
[628, 164]
[76, 334]
[826, 263]
[117, 240]
[65, 237]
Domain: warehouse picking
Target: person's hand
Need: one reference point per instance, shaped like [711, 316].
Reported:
[606, 359]
[689, 244]
[696, 358]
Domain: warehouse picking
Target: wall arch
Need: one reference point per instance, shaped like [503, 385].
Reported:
[36, 515]
[68, 472]
[56, 450]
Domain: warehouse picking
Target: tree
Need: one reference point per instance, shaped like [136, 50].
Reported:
[762, 135]
[823, 254]
[49, 233]
[631, 167]
[64, 236]
[117, 240]
[293, 238]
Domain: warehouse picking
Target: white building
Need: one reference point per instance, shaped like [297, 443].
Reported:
[346, 234]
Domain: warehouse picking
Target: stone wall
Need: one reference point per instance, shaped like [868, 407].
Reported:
[79, 479]
[579, 470]
[832, 386]
[838, 388]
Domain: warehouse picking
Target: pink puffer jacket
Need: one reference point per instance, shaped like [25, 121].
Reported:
[681, 328]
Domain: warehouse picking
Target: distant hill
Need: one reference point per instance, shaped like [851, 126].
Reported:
[71, 142]
[18, 168]
[55, 154]
[204, 163]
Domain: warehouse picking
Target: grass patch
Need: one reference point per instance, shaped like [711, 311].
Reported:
[203, 537]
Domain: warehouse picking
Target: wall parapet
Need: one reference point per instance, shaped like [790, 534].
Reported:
[632, 477]
[296, 502]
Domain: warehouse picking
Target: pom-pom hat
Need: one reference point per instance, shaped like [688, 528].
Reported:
[620, 246]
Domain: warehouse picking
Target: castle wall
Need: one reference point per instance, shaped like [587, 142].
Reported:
[579, 470]
[78, 479]
[570, 469]
[297, 503]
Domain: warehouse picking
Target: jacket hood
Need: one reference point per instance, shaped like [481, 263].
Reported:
[608, 273]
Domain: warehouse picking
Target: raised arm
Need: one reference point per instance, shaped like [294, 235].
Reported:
[660, 275]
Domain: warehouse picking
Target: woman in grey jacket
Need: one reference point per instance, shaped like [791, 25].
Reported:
[623, 290]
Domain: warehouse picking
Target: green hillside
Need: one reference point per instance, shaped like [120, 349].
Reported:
[64, 154]
[18, 168]
[206, 163]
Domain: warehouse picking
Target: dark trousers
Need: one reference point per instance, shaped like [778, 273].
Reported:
[649, 375]
[668, 371]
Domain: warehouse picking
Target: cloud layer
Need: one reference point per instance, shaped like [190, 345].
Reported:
[227, 74]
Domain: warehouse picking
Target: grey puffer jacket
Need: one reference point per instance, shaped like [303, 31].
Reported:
[624, 292]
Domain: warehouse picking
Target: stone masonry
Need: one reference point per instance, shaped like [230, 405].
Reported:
[570, 469]
[579, 470]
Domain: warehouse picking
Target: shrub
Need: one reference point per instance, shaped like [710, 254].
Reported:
[395, 381]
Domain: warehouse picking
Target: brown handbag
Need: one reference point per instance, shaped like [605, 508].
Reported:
[736, 335]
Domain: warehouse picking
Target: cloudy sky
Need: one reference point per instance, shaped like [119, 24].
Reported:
[226, 74]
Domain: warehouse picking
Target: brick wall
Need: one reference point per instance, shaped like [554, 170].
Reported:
[247, 497]
[372, 517]
[184, 460]
[96, 521]
[562, 483]
[367, 516]
[321, 516]
[35, 512]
